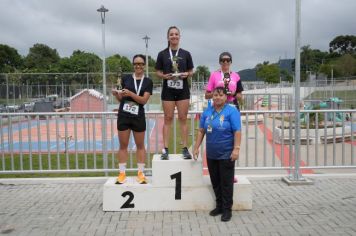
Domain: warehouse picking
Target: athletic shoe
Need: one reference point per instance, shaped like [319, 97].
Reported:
[121, 178]
[186, 154]
[141, 178]
[164, 155]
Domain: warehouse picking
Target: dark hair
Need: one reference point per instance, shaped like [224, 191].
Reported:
[219, 90]
[171, 27]
[139, 55]
[225, 54]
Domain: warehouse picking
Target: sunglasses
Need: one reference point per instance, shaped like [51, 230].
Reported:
[225, 60]
[139, 64]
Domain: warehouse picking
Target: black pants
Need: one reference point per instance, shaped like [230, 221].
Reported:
[222, 178]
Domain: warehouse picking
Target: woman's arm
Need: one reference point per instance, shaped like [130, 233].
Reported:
[117, 94]
[139, 99]
[237, 143]
[198, 142]
[187, 74]
[161, 75]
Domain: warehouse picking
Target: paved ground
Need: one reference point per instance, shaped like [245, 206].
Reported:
[74, 207]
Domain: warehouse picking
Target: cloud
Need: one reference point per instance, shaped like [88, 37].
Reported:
[252, 30]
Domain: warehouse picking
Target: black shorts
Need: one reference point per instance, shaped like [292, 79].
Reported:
[175, 94]
[137, 124]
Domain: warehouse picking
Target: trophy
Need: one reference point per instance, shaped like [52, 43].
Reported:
[176, 74]
[227, 80]
[118, 83]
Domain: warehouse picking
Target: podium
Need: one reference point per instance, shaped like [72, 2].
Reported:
[176, 185]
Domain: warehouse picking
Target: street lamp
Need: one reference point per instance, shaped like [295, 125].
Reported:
[102, 11]
[146, 38]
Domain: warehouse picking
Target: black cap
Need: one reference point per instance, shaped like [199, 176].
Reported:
[225, 54]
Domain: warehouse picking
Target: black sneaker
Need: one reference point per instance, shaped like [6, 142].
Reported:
[216, 211]
[226, 215]
[164, 155]
[186, 154]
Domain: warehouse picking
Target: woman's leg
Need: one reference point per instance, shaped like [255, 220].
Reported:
[183, 107]
[227, 171]
[140, 145]
[213, 167]
[124, 137]
[122, 156]
[168, 109]
[140, 155]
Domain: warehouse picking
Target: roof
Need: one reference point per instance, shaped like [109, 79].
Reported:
[91, 92]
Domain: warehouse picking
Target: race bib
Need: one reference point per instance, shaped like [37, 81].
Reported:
[175, 84]
[131, 107]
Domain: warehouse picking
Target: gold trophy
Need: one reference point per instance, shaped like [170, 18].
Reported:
[176, 74]
[118, 83]
[227, 80]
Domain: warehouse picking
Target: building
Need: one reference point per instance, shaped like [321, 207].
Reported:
[87, 100]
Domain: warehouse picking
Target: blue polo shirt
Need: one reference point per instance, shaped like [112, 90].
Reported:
[220, 141]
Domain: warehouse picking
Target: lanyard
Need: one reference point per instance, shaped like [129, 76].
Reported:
[222, 74]
[139, 87]
[171, 54]
[217, 114]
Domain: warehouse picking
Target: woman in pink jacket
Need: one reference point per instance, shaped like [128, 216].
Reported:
[224, 77]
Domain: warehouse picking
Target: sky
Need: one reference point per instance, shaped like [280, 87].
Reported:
[253, 31]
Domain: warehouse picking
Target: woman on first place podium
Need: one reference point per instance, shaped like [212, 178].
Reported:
[135, 92]
[222, 125]
[174, 66]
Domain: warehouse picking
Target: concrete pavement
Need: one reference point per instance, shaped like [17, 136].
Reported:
[74, 207]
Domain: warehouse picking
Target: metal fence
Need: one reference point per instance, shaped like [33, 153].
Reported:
[88, 142]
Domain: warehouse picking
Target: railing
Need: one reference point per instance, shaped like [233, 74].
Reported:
[74, 142]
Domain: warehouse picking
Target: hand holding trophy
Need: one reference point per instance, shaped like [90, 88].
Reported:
[227, 80]
[116, 91]
[118, 83]
[176, 74]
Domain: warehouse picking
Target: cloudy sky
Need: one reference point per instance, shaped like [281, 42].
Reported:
[252, 30]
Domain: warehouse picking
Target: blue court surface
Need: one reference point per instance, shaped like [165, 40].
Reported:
[60, 144]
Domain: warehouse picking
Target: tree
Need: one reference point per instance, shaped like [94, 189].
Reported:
[10, 59]
[203, 73]
[286, 76]
[269, 73]
[42, 58]
[345, 65]
[343, 44]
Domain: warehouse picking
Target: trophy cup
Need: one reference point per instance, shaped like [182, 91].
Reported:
[227, 80]
[118, 83]
[176, 74]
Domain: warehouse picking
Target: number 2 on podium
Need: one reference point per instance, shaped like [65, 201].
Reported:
[178, 191]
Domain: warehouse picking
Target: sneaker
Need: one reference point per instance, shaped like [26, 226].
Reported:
[121, 178]
[164, 155]
[216, 211]
[141, 178]
[186, 154]
[226, 215]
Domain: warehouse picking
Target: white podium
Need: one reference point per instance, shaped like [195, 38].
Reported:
[176, 185]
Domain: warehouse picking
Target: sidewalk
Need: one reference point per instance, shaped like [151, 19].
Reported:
[74, 207]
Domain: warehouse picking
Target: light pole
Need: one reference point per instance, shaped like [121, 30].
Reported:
[102, 11]
[332, 82]
[295, 174]
[146, 38]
